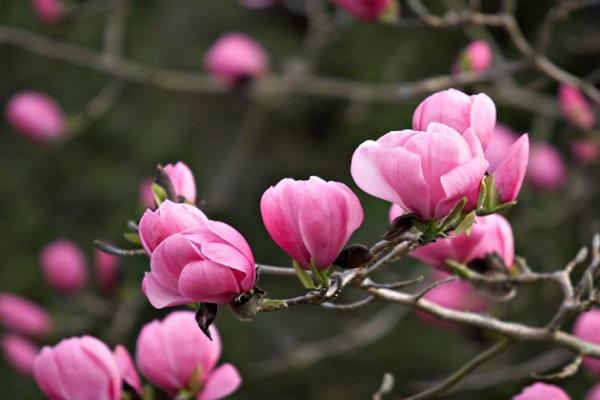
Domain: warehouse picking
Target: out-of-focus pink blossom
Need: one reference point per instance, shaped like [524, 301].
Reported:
[23, 316]
[366, 10]
[212, 263]
[64, 266]
[36, 116]
[157, 225]
[594, 393]
[182, 178]
[490, 234]
[76, 369]
[575, 107]
[542, 391]
[312, 219]
[145, 193]
[19, 352]
[547, 170]
[458, 111]
[587, 327]
[477, 56]
[49, 11]
[127, 369]
[107, 270]
[426, 173]
[586, 151]
[172, 351]
[456, 295]
[235, 57]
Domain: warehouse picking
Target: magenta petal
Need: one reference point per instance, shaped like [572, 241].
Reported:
[404, 170]
[483, 118]
[160, 296]
[127, 368]
[153, 360]
[323, 215]
[46, 374]
[462, 181]
[222, 382]
[188, 348]
[209, 282]
[279, 207]
[170, 257]
[232, 237]
[510, 173]
[366, 172]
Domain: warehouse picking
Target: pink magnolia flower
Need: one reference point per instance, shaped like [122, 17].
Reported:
[19, 352]
[594, 393]
[79, 368]
[23, 316]
[49, 11]
[172, 351]
[477, 56]
[157, 225]
[547, 170]
[426, 173]
[145, 193]
[107, 270]
[211, 263]
[36, 116]
[587, 327]
[64, 266]
[508, 156]
[458, 111]
[456, 295]
[542, 391]
[235, 57]
[575, 107]
[182, 179]
[367, 10]
[490, 234]
[586, 151]
[127, 369]
[312, 219]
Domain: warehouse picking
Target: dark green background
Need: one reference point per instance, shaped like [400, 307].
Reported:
[87, 187]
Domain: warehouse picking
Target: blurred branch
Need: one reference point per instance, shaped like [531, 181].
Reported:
[462, 372]
[508, 373]
[195, 82]
[355, 338]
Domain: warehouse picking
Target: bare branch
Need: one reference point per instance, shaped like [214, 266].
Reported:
[461, 373]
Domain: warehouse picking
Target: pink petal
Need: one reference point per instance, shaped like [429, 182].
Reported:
[160, 296]
[510, 173]
[221, 383]
[483, 117]
[209, 282]
[462, 181]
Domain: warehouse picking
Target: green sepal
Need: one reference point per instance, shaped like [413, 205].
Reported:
[272, 304]
[303, 276]
[453, 217]
[160, 194]
[482, 194]
[195, 384]
[390, 14]
[148, 393]
[320, 274]
[465, 224]
[458, 269]
[132, 237]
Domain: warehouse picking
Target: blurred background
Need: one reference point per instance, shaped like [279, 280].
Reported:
[238, 143]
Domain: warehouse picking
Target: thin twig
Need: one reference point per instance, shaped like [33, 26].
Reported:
[462, 372]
